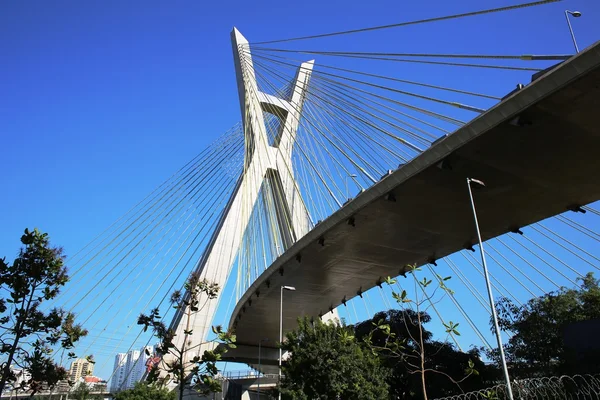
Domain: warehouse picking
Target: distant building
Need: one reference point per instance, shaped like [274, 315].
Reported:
[130, 368]
[119, 372]
[94, 383]
[22, 376]
[80, 367]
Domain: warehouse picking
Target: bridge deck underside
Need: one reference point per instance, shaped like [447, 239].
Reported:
[531, 171]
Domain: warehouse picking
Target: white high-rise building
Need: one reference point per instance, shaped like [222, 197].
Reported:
[130, 368]
[119, 373]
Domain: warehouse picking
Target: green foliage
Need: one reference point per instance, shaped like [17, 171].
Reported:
[328, 362]
[144, 391]
[31, 335]
[421, 366]
[395, 336]
[82, 392]
[537, 347]
[199, 372]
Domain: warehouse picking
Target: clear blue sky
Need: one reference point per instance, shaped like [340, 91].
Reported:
[102, 101]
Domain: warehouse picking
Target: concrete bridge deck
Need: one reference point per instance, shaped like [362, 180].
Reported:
[537, 152]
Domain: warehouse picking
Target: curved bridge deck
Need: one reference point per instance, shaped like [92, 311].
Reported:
[537, 152]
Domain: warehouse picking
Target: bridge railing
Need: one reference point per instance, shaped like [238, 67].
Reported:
[245, 374]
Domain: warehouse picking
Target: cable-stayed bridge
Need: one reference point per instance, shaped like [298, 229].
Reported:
[343, 171]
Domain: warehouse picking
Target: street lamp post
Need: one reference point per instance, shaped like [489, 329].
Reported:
[259, 371]
[489, 288]
[346, 180]
[291, 288]
[575, 14]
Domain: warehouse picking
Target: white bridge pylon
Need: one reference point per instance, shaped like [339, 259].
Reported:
[262, 162]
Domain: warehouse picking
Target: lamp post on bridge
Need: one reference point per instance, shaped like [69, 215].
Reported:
[575, 14]
[489, 288]
[290, 288]
[346, 181]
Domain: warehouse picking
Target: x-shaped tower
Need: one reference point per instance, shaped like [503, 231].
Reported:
[263, 161]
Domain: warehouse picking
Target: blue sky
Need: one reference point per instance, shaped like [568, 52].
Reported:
[102, 101]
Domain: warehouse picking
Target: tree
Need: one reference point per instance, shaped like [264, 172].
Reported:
[400, 337]
[537, 346]
[328, 362]
[83, 392]
[31, 335]
[199, 372]
[444, 364]
[142, 391]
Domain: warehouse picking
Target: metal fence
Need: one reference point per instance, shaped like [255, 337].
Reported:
[550, 388]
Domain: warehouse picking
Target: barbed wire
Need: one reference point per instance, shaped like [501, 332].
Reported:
[555, 387]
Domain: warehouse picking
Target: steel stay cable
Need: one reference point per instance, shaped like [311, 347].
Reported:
[450, 64]
[326, 115]
[493, 278]
[318, 205]
[592, 210]
[553, 256]
[224, 201]
[508, 271]
[288, 167]
[370, 124]
[321, 178]
[282, 118]
[220, 188]
[467, 283]
[567, 221]
[131, 309]
[157, 276]
[396, 102]
[161, 209]
[348, 94]
[157, 290]
[352, 138]
[354, 96]
[527, 262]
[406, 93]
[186, 167]
[190, 167]
[139, 241]
[359, 169]
[522, 57]
[566, 248]
[464, 314]
[338, 149]
[408, 132]
[465, 92]
[422, 21]
[414, 108]
[543, 260]
[432, 304]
